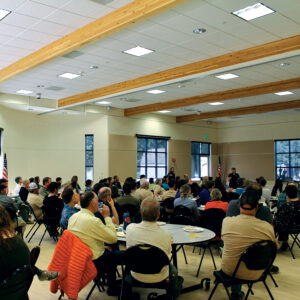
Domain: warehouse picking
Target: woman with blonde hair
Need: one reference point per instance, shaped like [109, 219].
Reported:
[216, 201]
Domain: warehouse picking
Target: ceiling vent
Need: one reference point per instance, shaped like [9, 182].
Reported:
[103, 2]
[54, 88]
[191, 109]
[236, 117]
[73, 54]
[132, 100]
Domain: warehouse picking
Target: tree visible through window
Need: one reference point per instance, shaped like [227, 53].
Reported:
[151, 157]
[287, 159]
[89, 156]
[200, 159]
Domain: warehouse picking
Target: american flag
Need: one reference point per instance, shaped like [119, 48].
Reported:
[219, 166]
[5, 173]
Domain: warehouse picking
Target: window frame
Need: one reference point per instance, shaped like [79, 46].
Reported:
[208, 155]
[86, 165]
[155, 152]
[290, 166]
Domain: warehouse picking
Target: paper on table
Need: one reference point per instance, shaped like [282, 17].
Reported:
[192, 229]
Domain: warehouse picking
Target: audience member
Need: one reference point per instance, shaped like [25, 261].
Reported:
[37, 181]
[35, 200]
[239, 233]
[171, 192]
[185, 200]
[233, 178]
[74, 182]
[18, 181]
[143, 192]
[240, 186]
[186, 177]
[216, 197]
[59, 182]
[24, 190]
[31, 179]
[266, 193]
[195, 190]
[70, 198]
[13, 251]
[204, 195]
[116, 182]
[105, 198]
[287, 215]
[151, 184]
[165, 182]
[44, 191]
[88, 185]
[158, 190]
[94, 234]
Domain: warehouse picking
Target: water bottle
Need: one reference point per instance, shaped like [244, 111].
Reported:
[126, 220]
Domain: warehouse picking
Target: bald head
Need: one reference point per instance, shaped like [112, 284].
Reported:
[150, 210]
[105, 194]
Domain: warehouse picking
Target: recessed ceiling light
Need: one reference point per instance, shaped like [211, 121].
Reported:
[164, 111]
[69, 75]
[253, 11]
[285, 64]
[227, 76]
[25, 92]
[103, 102]
[138, 51]
[199, 30]
[156, 92]
[180, 86]
[94, 67]
[4, 13]
[284, 93]
[216, 103]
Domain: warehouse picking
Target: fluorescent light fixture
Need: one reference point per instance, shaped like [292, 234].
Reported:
[164, 111]
[216, 103]
[69, 75]
[284, 93]
[253, 11]
[103, 102]
[138, 51]
[155, 92]
[25, 92]
[4, 13]
[227, 76]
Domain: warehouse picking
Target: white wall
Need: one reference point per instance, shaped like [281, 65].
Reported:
[53, 144]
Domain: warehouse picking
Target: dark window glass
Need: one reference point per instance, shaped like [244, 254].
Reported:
[89, 156]
[200, 159]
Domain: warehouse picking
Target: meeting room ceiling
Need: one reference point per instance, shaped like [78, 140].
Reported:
[32, 25]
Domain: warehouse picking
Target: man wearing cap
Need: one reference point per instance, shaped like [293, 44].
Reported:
[239, 233]
[35, 200]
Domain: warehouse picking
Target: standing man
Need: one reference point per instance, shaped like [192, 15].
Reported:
[233, 178]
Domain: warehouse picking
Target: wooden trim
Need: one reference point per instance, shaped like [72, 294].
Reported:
[257, 52]
[248, 91]
[119, 19]
[257, 109]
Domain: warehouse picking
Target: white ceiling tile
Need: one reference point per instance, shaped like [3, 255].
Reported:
[119, 3]
[30, 45]
[19, 20]
[53, 3]
[35, 10]
[14, 51]
[52, 28]
[183, 53]
[36, 36]
[11, 4]
[10, 30]
[66, 18]
[292, 12]
[279, 5]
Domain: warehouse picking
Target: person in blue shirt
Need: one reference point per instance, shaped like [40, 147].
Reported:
[240, 189]
[88, 185]
[164, 184]
[204, 195]
[70, 198]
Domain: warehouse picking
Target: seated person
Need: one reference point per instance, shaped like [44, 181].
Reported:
[149, 232]
[24, 190]
[239, 233]
[18, 181]
[171, 192]
[143, 192]
[266, 193]
[127, 202]
[116, 182]
[263, 212]
[70, 198]
[216, 197]
[88, 185]
[52, 208]
[158, 190]
[13, 251]
[35, 200]
[151, 184]
[287, 215]
[204, 195]
[165, 182]
[240, 188]
[91, 231]
[44, 190]
[185, 200]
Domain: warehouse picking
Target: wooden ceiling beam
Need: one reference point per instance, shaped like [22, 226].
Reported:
[248, 91]
[257, 109]
[230, 59]
[117, 20]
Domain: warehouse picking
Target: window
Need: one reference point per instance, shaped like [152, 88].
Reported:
[151, 157]
[89, 156]
[287, 159]
[200, 159]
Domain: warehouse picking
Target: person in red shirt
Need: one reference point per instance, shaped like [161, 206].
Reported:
[216, 202]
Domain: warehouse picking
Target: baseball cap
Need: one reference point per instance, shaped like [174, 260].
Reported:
[250, 197]
[33, 186]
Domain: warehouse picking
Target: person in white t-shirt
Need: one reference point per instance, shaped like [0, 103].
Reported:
[18, 181]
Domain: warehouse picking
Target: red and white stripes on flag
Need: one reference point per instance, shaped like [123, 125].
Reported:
[5, 172]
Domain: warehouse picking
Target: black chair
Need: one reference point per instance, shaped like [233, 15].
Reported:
[144, 259]
[213, 219]
[294, 232]
[259, 256]
[37, 222]
[129, 208]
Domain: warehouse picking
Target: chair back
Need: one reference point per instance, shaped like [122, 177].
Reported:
[32, 211]
[213, 219]
[259, 256]
[145, 259]
[17, 284]
[169, 203]
[131, 209]
[182, 215]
